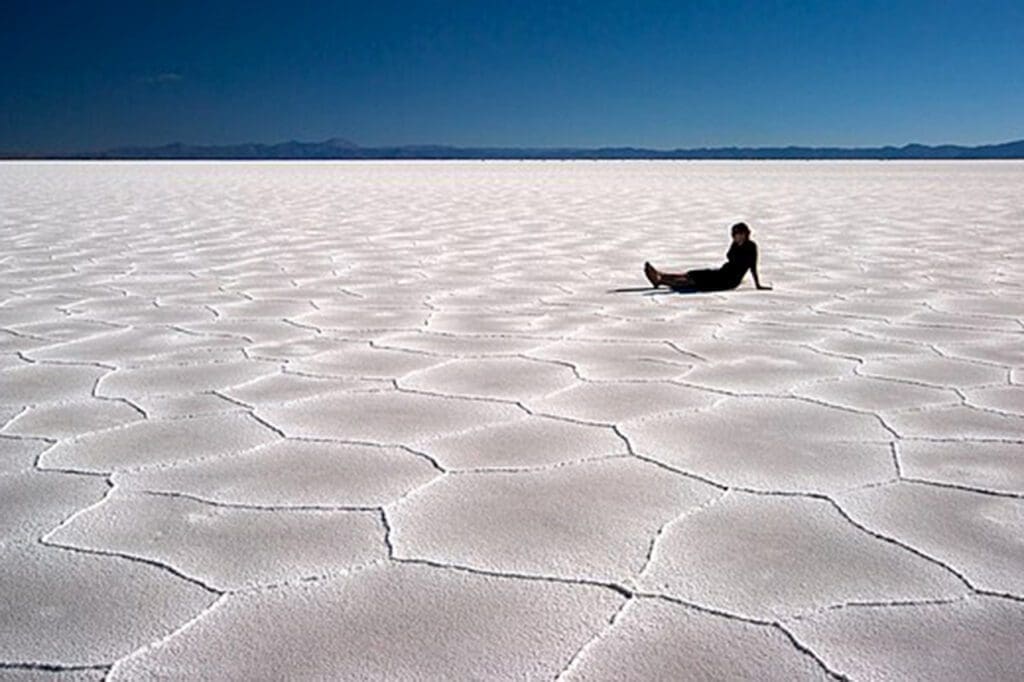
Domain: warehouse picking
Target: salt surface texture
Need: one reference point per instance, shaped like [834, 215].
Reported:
[381, 420]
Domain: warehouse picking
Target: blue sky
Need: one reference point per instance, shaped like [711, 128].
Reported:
[91, 75]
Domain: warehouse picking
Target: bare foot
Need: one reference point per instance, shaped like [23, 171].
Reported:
[653, 276]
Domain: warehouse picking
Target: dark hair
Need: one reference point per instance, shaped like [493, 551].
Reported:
[740, 227]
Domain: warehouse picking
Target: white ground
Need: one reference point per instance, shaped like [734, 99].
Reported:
[361, 420]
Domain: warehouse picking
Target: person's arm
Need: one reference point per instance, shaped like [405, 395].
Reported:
[753, 272]
[757, 282]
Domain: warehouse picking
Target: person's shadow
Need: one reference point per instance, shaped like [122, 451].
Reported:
[651, 291]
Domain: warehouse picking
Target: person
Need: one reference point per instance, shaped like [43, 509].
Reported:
[742, 256]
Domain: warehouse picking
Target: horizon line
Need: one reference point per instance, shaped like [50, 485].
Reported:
[343, 148]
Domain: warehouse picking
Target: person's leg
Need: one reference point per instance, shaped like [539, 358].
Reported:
[675, 280]
[670, 279]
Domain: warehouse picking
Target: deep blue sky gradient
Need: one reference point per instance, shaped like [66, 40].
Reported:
[89, 75]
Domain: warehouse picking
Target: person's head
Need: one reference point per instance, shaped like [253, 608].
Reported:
[740, 233]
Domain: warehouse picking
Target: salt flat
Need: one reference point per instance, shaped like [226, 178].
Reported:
[393, 421]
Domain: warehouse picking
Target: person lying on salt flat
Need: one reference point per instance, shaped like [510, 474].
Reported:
[742, 256]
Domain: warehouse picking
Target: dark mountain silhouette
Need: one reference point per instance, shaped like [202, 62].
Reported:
[338, 148]
[334, 148]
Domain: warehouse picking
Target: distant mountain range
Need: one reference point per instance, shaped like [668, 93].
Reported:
[338, 148]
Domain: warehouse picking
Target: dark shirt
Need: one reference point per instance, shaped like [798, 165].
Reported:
[741, 257]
